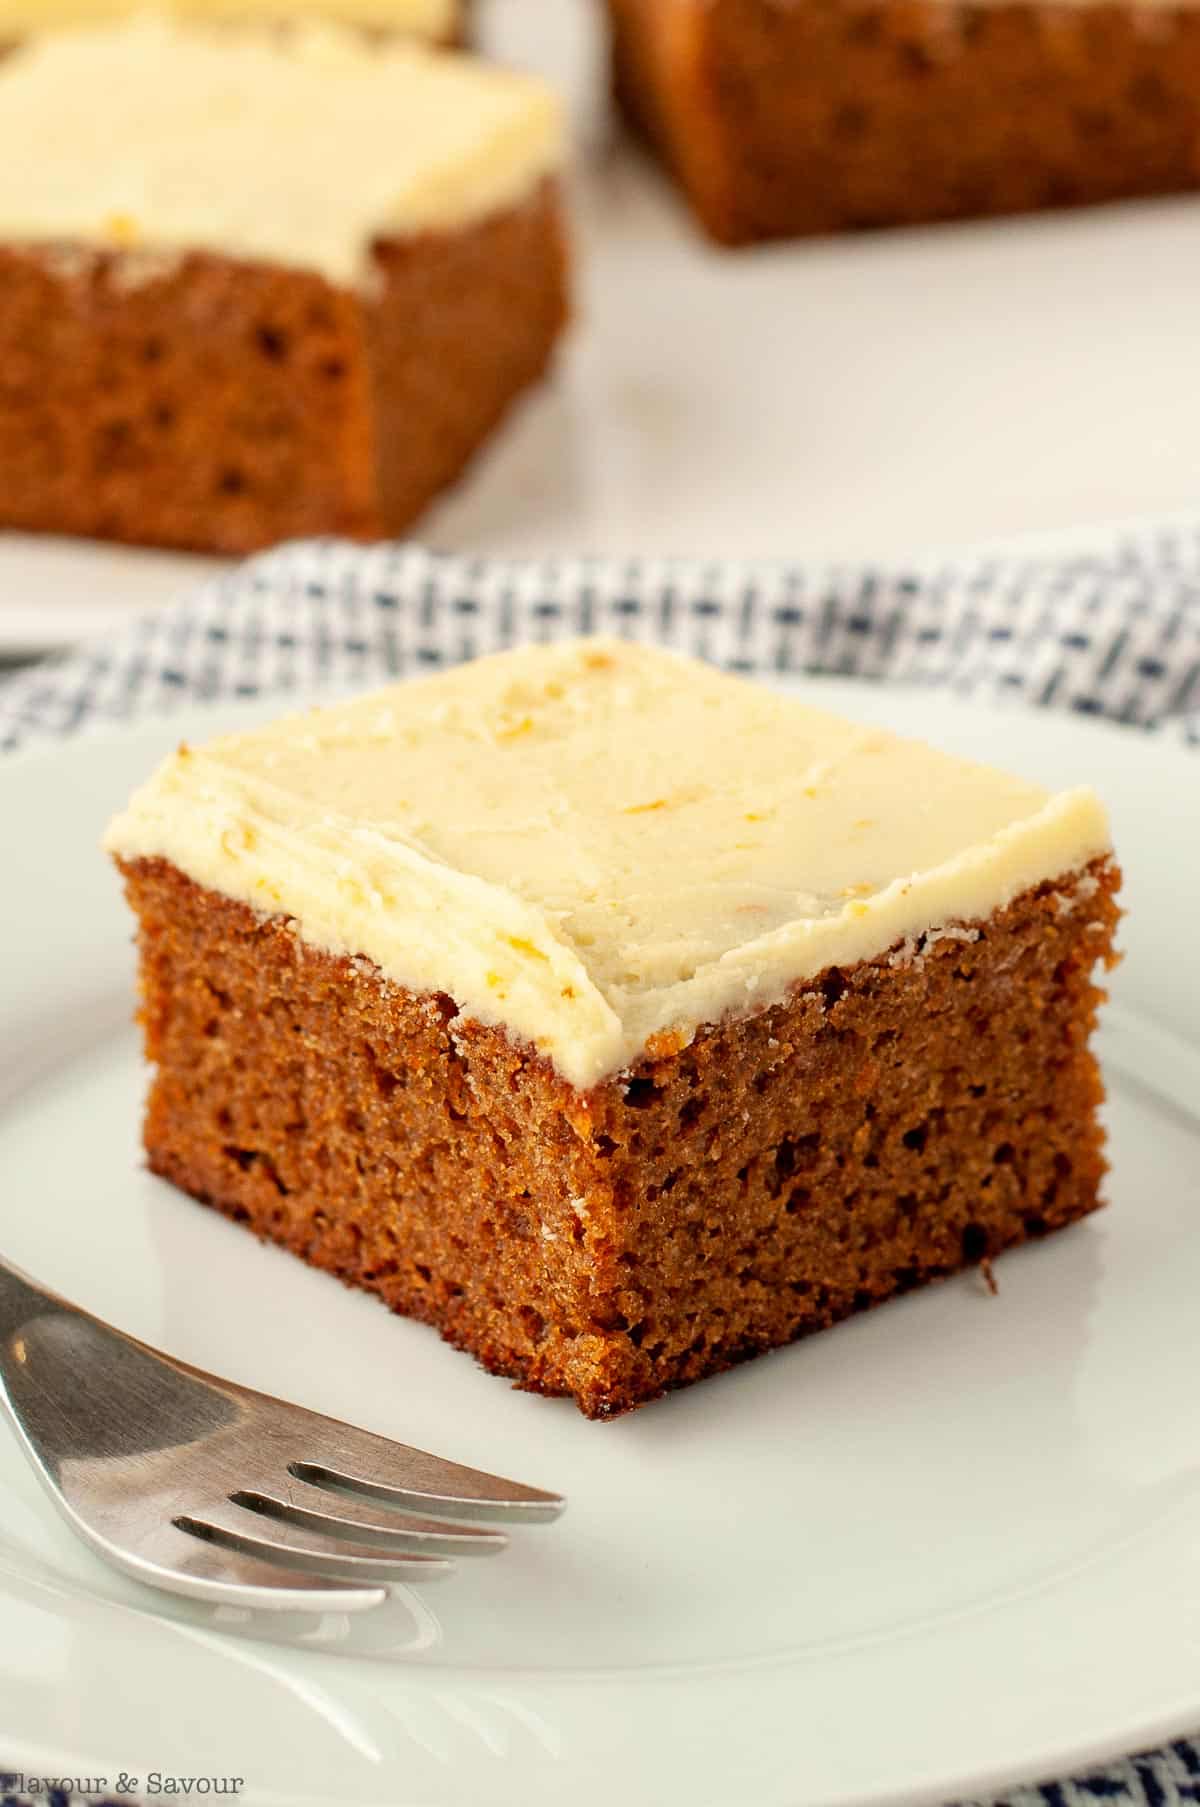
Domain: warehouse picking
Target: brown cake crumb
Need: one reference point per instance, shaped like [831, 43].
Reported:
[207, 403]
[782, 118]
[886, 1125]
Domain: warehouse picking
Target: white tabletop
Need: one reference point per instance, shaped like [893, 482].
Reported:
[874, 397]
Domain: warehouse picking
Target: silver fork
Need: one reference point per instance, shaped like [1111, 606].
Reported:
[208, 1489]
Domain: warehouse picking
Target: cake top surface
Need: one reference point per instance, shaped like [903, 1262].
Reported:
[296, 148]
[435, 19]
[598, 844]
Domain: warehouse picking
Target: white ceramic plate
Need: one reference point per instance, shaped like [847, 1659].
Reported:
[861, 397]
[949, 1545]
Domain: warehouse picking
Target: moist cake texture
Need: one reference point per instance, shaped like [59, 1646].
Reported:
[619, 1018]
[256, 285]
[784, 117]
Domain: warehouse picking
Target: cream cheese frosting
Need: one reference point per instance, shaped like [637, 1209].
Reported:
[298, 149]
[595, 844]
[433, 19]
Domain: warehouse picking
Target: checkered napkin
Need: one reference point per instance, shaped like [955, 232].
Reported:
[1114, 635]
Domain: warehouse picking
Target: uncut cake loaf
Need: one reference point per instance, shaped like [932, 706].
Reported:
[256, 285]
[782, 117]
[617, 1017]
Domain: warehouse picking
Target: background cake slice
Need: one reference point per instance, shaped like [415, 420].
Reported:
[617, 1017]
[255, 286]
[805, 116]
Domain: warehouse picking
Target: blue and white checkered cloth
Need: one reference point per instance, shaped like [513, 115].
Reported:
[1115, 636]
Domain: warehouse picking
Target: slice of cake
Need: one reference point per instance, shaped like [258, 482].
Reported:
[619, 1018]
[258, 285]
[433, 21]
[802, 116]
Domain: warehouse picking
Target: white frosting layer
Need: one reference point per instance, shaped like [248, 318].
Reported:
[595, 843]
[433, 19]
[297, 148]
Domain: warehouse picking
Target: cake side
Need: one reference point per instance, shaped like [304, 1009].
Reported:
[784, 120]
[886, 1124]
[194, 403]
[665, 83]
[375, 1133]
[890, 1124]
[219, 405]
[459, 326]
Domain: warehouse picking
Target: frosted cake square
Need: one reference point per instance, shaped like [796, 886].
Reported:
[619, 1018]
[258, 284]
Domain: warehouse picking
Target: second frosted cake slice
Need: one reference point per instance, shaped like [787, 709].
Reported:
[261, 285]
